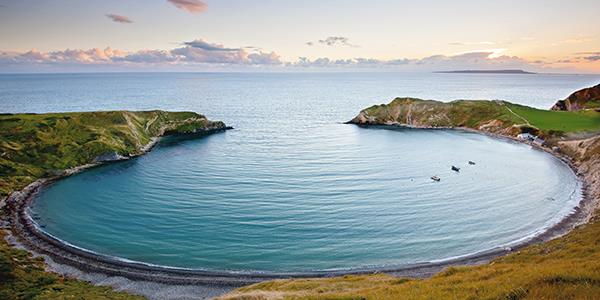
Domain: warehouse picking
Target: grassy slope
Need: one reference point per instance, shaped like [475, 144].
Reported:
[504, 117]
[566, 121]
[35, 146]
[565, 268]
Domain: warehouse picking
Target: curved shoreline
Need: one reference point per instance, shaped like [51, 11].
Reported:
[37, 241]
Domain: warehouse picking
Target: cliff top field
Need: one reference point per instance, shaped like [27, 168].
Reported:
[495, 116]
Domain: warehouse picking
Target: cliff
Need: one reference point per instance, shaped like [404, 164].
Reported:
[33, 146]
[498, 117]
[588, 98]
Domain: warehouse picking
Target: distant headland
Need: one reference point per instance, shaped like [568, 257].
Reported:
[487, 72]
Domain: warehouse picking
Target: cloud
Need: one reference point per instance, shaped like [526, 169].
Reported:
[334, 41]
[469, 60]
[262, 58]
[592, 57]
[200, 54]
[193, 6]
[197, 52]
[201, 44]
[580, 39]
[119, 18]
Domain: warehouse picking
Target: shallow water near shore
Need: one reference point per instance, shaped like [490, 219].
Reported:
[292, 189]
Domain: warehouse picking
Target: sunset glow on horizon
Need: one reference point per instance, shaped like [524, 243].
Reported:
[266, 35]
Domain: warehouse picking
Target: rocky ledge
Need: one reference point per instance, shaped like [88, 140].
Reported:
[584, 99]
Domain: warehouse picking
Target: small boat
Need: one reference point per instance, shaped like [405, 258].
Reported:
[471, 162]
[435, 178]
[456, 169]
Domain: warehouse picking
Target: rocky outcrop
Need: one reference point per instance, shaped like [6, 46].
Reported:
[588, 98]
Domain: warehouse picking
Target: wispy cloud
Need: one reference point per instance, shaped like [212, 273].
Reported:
[470, 60]
[119, 18]
[201, 44]
[193, 6]
[334, 41]
[591, 56]
[580, 39]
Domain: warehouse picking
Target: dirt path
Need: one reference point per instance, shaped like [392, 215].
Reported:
[518, 116]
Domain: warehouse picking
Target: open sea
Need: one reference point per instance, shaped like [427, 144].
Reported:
[291, 188]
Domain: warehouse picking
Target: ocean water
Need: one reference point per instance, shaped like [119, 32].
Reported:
[291, 188]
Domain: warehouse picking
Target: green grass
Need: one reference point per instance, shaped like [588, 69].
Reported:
[494, 116]
[24, 277]
[565, 121]
[35, 146]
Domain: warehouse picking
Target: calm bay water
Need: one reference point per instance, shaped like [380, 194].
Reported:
[291, 188]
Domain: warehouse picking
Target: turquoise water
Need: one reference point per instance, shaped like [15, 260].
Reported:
[291, 188]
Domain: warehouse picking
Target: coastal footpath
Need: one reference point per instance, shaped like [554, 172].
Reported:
[550, 267]
[39, 148]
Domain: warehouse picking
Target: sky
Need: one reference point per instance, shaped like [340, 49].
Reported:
[265, 35]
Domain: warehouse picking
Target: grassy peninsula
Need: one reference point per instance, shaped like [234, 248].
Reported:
[499, 117]
[34, 146]
[564, 268]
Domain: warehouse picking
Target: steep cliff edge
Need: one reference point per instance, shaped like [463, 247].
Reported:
[588, 98]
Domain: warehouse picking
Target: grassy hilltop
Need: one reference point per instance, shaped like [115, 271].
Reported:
[492, 116]
[34, 146]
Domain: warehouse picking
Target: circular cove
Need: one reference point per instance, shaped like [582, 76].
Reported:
[347, 198]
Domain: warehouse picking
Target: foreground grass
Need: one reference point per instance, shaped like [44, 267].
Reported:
[35, 146]
[24, 277]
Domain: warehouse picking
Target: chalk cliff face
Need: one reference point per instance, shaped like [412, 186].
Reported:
[489, 116]
[588, 98]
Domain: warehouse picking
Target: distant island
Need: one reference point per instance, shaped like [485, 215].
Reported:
[487, 72]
